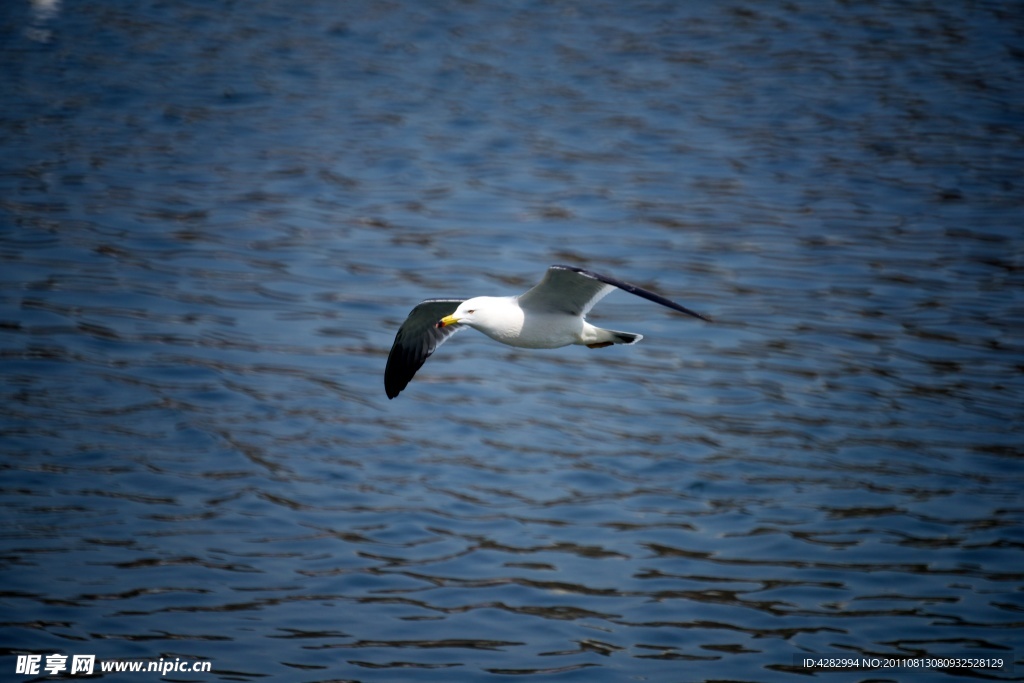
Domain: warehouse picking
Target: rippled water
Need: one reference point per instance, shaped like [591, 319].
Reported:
[214, 218]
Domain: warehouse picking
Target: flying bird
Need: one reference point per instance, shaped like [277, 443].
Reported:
[548, 316]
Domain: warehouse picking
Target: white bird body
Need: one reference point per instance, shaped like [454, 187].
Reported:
[548, 316]
[502, 319]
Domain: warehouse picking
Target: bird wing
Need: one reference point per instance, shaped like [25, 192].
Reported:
[567, 289]
[417, 338]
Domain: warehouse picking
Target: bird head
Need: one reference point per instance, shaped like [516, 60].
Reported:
[465, 314]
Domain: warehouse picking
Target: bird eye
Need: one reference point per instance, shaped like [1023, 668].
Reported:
[472, 310]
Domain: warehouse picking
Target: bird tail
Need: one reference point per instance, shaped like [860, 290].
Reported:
[610, 337]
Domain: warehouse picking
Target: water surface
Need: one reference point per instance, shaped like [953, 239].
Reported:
[213, 220]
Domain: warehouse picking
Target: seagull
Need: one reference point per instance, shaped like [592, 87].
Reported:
[549, 316]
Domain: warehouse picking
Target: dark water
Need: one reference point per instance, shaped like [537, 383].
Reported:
[213, 217]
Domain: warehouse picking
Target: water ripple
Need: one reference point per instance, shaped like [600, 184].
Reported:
[211, 225]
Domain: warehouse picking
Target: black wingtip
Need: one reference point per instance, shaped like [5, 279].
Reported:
[393, 384]
[634, 289]
[703, 317]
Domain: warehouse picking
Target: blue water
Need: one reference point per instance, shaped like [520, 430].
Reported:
[214, 217]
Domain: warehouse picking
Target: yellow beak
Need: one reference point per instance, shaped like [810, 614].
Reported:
[447, 320]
